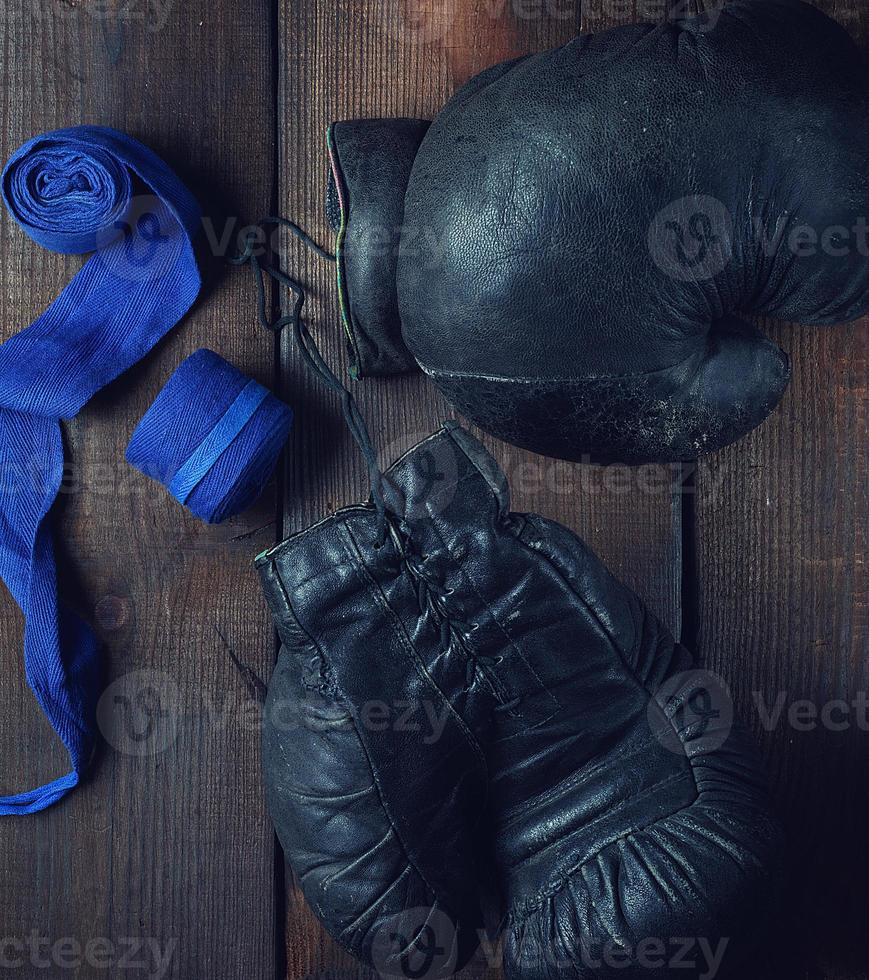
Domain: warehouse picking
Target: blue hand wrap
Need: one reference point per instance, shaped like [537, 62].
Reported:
[212, 436]
[87, 189]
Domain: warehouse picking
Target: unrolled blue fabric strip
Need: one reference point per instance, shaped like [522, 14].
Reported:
[86, 189]
[212, 436]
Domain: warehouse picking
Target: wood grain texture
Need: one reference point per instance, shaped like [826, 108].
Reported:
[167, 848]
[781, 545]
[782, 614]
[405, 57]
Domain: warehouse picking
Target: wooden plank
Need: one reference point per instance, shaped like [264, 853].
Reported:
[405, 57]
[781, 535]
[165, 856]
[782, 530]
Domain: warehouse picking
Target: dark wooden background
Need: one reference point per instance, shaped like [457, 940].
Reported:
[756, 556]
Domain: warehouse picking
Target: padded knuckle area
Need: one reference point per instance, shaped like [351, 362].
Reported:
[627, 419]
[701, 875]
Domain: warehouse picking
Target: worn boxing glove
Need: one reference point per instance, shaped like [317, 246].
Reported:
[376, 819]
[491, 706]
[570, 249]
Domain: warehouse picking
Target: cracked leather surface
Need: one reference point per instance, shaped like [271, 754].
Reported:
[611, 210]
[569, 775]
[678, 414]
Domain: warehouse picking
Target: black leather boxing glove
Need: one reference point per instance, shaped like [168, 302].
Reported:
[554, 740]
[581, 233]
[376, 819]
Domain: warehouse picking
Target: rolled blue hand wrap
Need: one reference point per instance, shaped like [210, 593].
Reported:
[212, 436]
[78, 190]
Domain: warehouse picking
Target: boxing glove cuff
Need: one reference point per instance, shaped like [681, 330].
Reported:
[370, 165]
